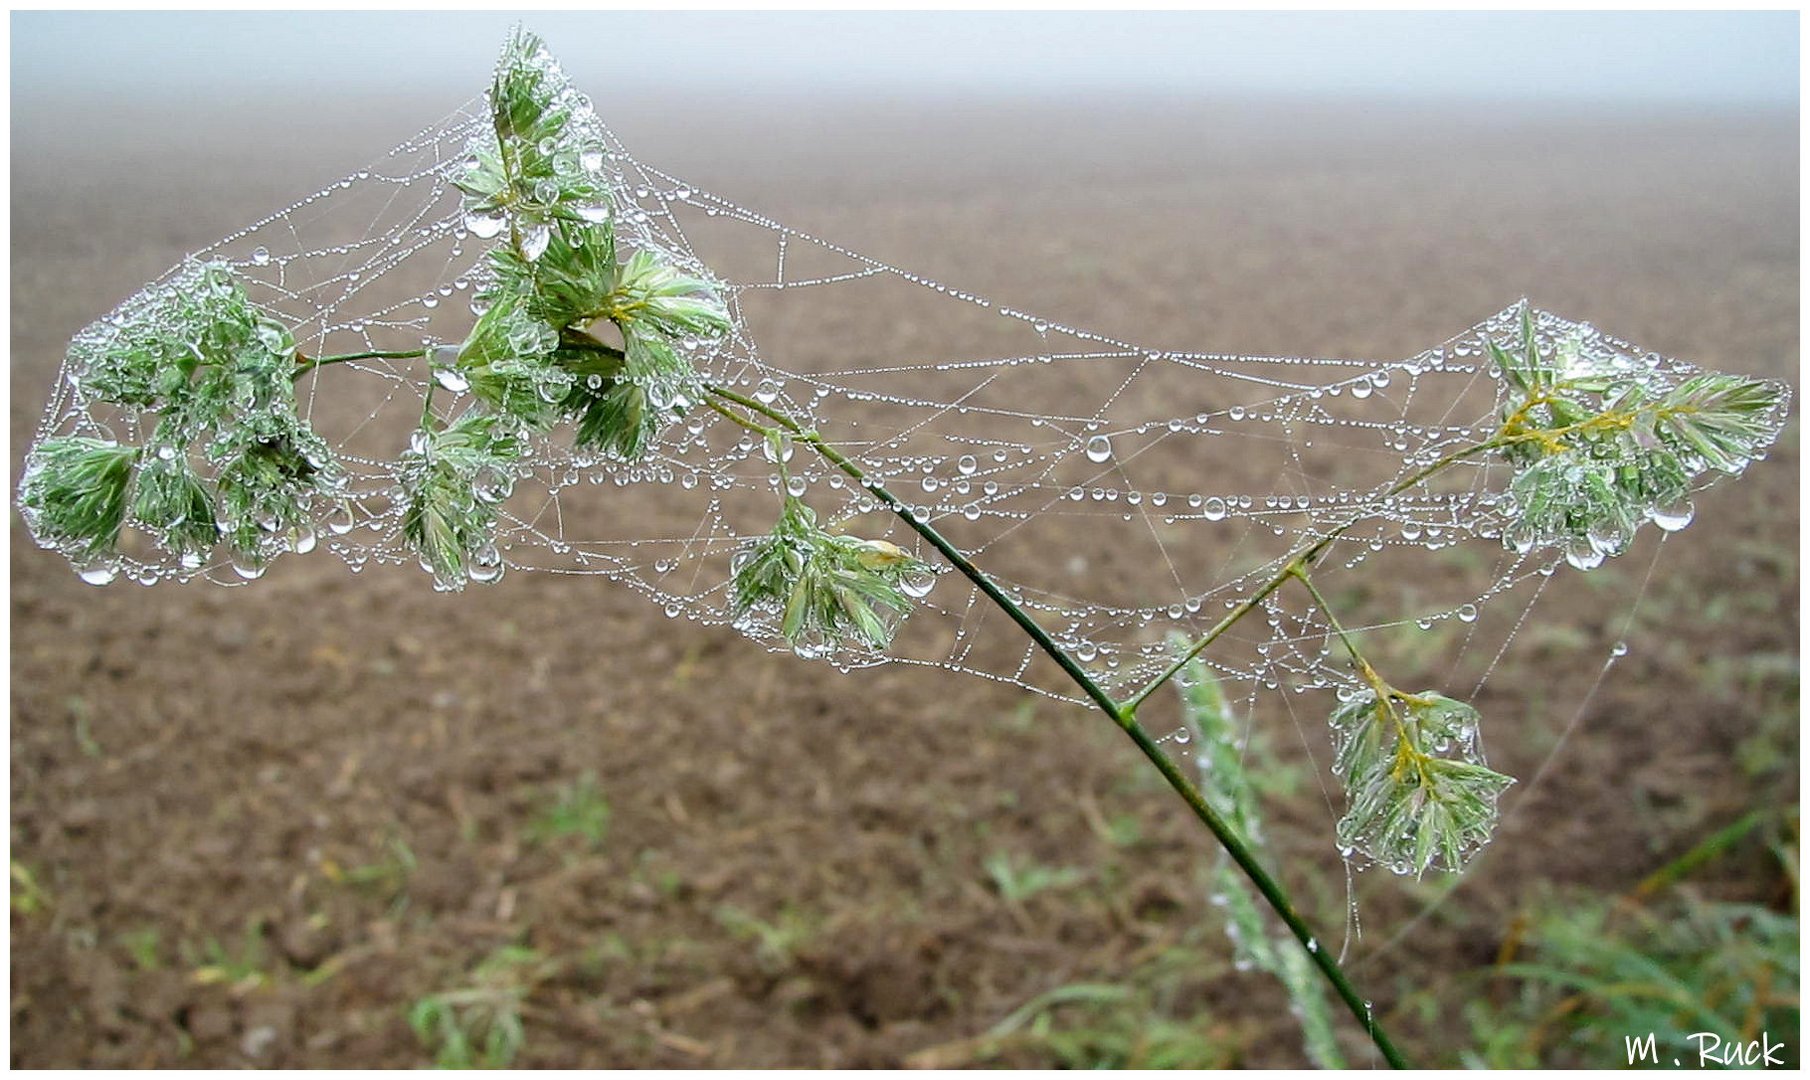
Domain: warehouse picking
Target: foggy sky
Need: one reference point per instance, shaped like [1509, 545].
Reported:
[1614, 57]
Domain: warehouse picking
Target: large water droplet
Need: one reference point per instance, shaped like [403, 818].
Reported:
[260, 255]
[486, 565]
[486, 224]
[451, 379]
[1673, 518]
[966, 465]
[1583, 555]
[1099, 448]
[534, 240]
[101, 572]
[1213, 509]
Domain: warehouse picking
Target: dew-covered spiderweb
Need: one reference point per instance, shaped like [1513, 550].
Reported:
[1121, 493]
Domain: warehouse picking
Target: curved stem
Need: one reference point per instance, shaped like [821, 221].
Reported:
[1122, 715]
[1357, 658]
[305, 364]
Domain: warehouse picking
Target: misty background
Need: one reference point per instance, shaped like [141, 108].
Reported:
[1221, 124]
[1595, 57]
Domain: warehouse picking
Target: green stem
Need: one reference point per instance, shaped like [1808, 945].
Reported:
[1122, 715]
[305, 364]
[1384, 692]
[1338, 628]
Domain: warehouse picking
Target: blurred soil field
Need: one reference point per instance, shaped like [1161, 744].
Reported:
[263, 825]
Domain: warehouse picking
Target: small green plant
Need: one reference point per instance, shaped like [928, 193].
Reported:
[777, 942]
[1092, 1026]
[249, 964]
[577, 810]
[1599, 973]
[480, 1025]
[1153, 1016]
[145, 947]
[386, 876]
[1232, 766]
[586, 327]
[1017, 880]
[28, 897]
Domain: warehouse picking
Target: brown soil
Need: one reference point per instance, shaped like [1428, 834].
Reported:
[266, 821]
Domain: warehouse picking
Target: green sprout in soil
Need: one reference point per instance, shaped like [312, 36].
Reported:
[1017, 880]
[1595, 452]
[479, 1025]
[577, 811]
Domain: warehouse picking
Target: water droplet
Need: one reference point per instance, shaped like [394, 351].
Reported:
[101, 572]
[1467, 613]
[486, 564]
[534, 240]
[1673, 518]
[260, 255]
[1620, 649]
[451, 379]
[485, 224]
[1583, 555]
[1099, 448]
[491, 484]
[918, 587]
[966, 465]
[767, 392]
[1213, 509]
[795, 486]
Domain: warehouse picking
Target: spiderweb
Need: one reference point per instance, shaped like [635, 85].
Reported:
[1122, 494]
